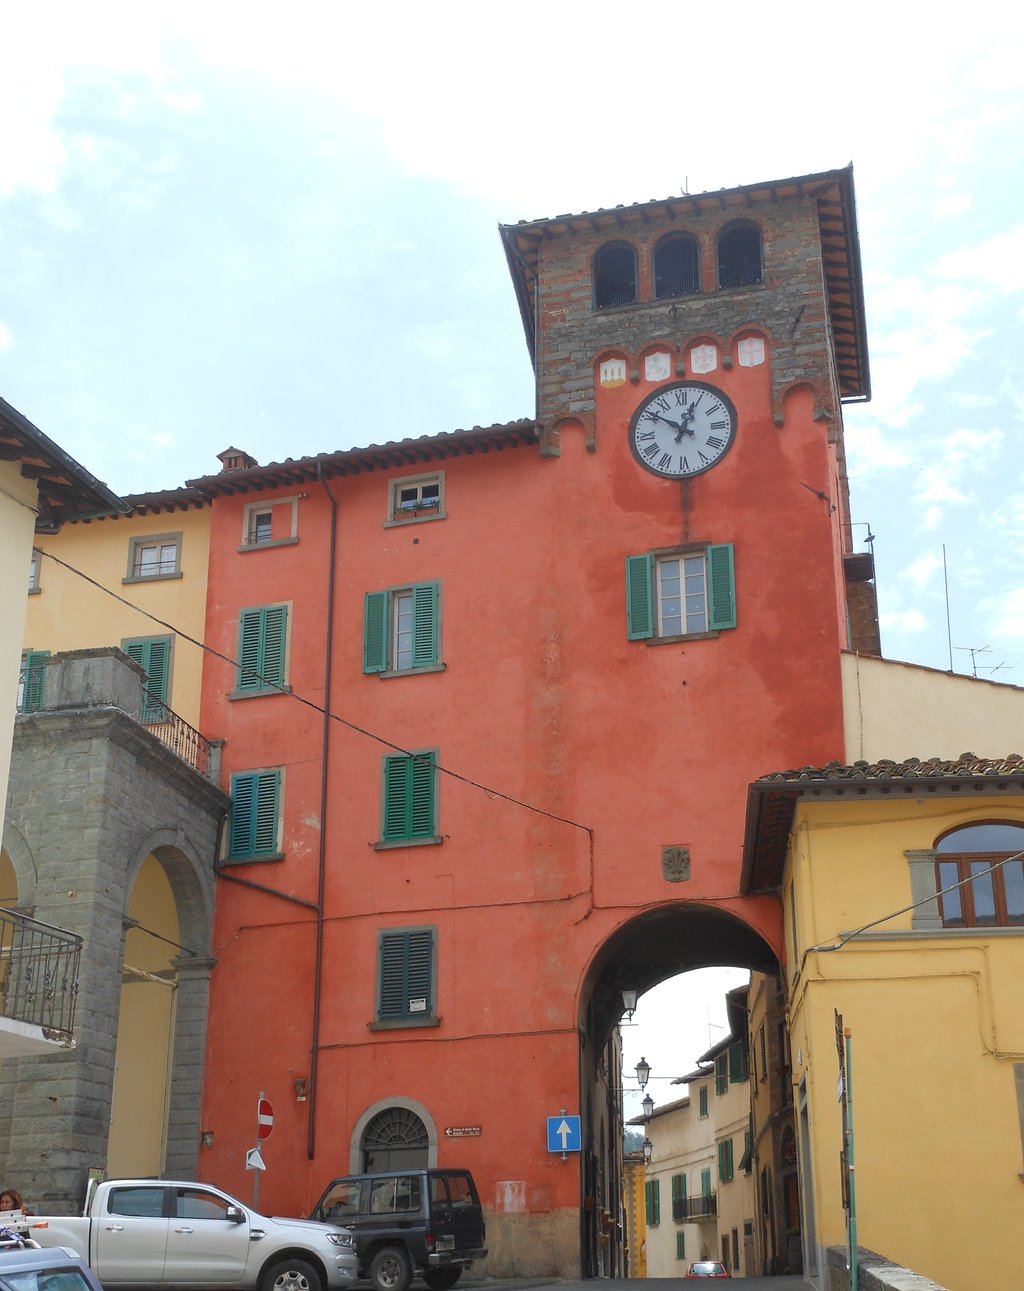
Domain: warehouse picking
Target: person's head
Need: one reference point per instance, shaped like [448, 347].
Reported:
[10, 1199]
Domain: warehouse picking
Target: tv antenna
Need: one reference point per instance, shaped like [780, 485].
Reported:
[975, 652]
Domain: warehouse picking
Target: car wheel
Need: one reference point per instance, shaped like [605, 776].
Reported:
[441, 1279]
[389, 1270]
[291, 1275]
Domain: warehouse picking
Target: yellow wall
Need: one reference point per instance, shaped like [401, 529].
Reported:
[71, 614]
[900, 710]
[937, 1021]
[633, 1200]
[18, 498]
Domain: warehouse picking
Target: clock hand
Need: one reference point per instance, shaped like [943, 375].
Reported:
[674, 424]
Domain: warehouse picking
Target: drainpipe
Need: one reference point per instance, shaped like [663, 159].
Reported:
[314, 1051]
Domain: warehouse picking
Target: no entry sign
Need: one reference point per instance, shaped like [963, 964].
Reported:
[264, 1119]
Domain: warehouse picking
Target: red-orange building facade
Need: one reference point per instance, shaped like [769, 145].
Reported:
[415, 945]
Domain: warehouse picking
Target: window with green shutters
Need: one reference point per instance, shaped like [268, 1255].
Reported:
[673, 594]
[725, 1161]
[410, 798]
[262, 641]
[705, 1182]
[652, 1194]
[703, 1100]
[255, 807]
[722, 1073]
[678, 1198]
[406, 975]
[153, 655]
[738, 1062]
[680, 1246]
[401, 629]
[32, 680]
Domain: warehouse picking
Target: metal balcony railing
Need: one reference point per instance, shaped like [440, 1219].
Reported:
[175, 733]
[704, 1207]
[171, 730]
[38, 973]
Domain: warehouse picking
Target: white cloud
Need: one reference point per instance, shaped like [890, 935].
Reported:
[903, 622]
[997, 262]
[920, 572]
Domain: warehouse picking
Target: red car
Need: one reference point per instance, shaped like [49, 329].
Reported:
[707, 1269]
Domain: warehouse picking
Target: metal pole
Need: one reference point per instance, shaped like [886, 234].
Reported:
[256, 1173]
[854, 1268]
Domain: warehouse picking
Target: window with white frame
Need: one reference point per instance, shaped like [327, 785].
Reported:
[401, 629]
[680, 593]
[418, 497]
[154, 556]
[270, 524]
[33, 571]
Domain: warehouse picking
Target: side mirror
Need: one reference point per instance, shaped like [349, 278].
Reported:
[235, 1215]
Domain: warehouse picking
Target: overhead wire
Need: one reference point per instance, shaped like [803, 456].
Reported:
[317, 708]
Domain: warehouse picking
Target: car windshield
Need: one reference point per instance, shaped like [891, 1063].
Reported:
[45, 1280]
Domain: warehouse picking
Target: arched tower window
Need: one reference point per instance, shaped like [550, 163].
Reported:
[676, 266]
[740, 256]
[991, 887]
[396, 1139]
[614, 275]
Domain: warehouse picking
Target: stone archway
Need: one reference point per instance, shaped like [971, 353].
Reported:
[398, 1127]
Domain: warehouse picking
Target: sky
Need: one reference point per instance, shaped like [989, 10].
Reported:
[277, 228]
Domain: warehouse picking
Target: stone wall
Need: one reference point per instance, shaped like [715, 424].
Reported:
[874, 1273]
[92, 793]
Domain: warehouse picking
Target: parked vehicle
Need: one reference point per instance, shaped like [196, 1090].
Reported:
[161, 1233]
[707, 1269]
[24, 1267]
[407, 1223]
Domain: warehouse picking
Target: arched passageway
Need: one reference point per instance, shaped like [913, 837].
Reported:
[649, 949]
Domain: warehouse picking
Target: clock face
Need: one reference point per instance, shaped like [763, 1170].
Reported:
[682, 430]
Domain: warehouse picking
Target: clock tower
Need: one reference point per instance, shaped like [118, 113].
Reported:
[714, 337]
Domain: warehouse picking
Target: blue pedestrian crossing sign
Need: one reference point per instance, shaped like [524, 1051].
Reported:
[564, 1134]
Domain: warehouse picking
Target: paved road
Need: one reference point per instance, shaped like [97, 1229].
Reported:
[637, 1284]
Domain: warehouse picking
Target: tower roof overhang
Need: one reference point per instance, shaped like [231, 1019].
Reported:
[831, 190]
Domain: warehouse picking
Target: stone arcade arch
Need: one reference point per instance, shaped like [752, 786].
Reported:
[646, 950]
[118, 831]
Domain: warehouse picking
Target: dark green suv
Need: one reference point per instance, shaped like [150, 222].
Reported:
[408, 1223]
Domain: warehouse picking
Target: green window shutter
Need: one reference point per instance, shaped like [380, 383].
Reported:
[405, 974]
[705, 1183]
[703, 1101]
[275, 619]
[153, 656]
[722, 1074]
[408, 796]
[721, 587]
[255, 799]
[656, 1196]
[725, 1161]
[34, 673]
[639, 599]
[375, 632]
[737, 1062]
[424, 620]
[261, 646]
[680, 1246]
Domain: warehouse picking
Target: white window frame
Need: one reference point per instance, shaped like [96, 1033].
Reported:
[33, 572]
[686, 622]
[413, 507]
[160, 541]
[288, 527]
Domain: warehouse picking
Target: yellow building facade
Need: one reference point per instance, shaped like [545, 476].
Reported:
[904, 915]
[155, 561]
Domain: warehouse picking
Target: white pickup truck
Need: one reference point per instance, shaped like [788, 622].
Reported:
[162, 1233]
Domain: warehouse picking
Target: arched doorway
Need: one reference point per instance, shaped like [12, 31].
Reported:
[395, 1139]
[647, 950]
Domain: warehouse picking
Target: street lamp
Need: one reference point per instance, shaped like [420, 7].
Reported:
[648, 1150]
[629, 1001]
[648, 1106]
[643, 1073]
